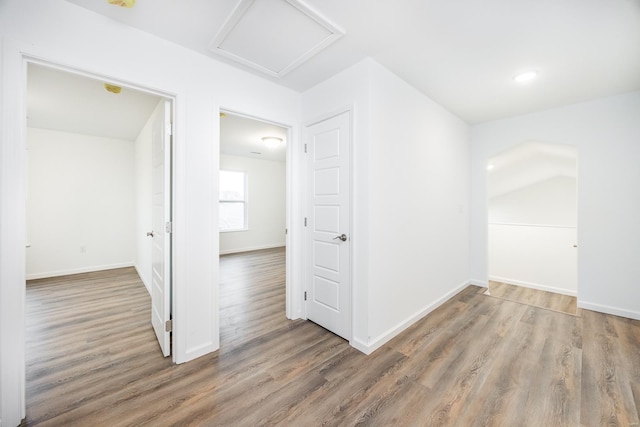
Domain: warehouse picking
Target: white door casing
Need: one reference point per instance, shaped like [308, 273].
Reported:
[161, 224]
[328, 277]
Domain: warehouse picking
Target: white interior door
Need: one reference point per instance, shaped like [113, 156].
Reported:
[161, 222]
[328, 284]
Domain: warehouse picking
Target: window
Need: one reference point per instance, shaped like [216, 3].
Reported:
[233, 200]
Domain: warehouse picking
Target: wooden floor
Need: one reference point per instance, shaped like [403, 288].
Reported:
[543, 299]
[475, 361]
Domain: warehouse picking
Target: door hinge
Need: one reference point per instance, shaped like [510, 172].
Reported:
[169, 129]
[305, 221]
[168, 325]
[168, 227]
[305, 148]
[286, 231]
[305, 295]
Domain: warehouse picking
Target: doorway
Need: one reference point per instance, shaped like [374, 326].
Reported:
[532, 218]
[95, 150]
[253, 231]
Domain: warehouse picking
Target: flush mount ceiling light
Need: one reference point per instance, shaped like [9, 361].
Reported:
[123, 3]
[525, 77]
[272, 141]
[490, 166]
[112, 88]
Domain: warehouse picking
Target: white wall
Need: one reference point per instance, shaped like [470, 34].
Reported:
[419, 186]
[266, 202]
[606, 133]
[409, 202]
[80, 205]
[538, 257]
[550, 202]
[532, 231]
[62, 33]
[143, 200]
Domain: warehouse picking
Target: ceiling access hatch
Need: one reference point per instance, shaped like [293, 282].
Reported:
[274, 36]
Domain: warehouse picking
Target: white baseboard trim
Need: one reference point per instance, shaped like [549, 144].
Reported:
[534, 286]
[478, 282]
[360, 346]
[609, 310]
[78, 270]
[251, 248]
[391, 333]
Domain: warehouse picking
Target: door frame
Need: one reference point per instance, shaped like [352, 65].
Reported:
[305, 200]
[291, 308]
[13, 167]
[486, 213]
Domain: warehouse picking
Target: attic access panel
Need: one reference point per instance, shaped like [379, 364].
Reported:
[274, 36]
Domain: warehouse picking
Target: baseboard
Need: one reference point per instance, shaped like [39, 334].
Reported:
[78, 270]
[361, 346]
[534, 286]
[609, 310]
[251, 248]
[478, 282]
[393, 332]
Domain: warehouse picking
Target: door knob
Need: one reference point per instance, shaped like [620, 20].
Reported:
[342, 237]
[150, 233]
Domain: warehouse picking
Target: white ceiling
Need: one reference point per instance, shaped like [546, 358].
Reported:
[530, 163]
[242, 136]
[66, 102]
[254, 35]
[462, 54]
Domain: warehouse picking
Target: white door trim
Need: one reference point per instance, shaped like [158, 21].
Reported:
[12, 235]
[350, 109]
[292, 310]
[13, 172]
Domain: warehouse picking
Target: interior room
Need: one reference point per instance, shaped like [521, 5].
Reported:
[532, 211]
[381, 309]
[89, 177]
[253, 183]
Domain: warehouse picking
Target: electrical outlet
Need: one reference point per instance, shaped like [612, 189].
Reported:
[83, 249]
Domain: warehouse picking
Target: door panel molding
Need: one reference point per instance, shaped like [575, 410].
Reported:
[328, 224]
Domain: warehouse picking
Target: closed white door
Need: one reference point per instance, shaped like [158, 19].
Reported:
[161, 222]
[328, 277]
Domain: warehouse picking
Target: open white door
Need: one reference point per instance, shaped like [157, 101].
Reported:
[328, 284]
[161, 222]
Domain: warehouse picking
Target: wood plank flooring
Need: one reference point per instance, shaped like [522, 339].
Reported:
[475, 361]
[543, 299]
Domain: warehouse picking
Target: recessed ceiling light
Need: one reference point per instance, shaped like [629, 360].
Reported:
[490, 166]
[527, 76]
